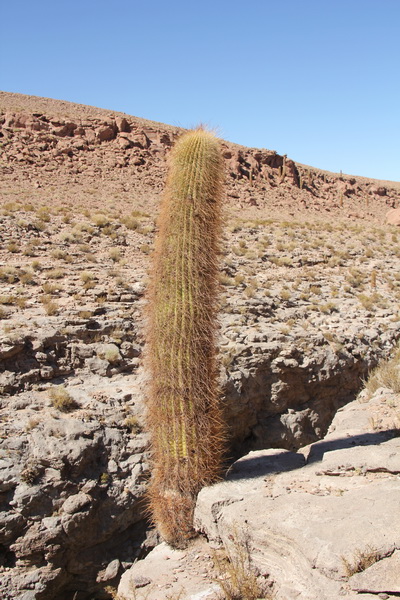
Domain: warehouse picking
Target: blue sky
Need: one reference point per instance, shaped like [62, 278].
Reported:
[318, 80]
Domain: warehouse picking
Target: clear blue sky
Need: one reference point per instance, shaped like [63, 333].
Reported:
[318, 80]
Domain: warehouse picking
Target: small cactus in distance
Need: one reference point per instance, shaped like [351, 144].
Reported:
[373, 279]
[184, 414]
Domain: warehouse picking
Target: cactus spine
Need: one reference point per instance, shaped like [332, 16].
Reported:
[184, 413]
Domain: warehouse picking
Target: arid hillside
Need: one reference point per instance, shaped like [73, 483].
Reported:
[73, 155]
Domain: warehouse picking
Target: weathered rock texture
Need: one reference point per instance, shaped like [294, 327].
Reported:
[321, 523]
[290, 356]
[317, 516]
[71, 486]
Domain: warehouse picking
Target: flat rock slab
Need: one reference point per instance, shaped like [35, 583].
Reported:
[311, 519]
[310, 522]
[170, 573]
[382, 577]
[382, 458]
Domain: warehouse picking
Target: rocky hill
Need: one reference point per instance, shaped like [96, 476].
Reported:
[64, 153]
[309, 304]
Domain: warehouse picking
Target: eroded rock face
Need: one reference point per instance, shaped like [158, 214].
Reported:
[282, 396]
[72, 483]
[71, 493]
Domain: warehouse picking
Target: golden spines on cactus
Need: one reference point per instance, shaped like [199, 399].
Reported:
[184, 414]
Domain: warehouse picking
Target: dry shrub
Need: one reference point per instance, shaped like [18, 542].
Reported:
[237, 576]
[100, 220]
[386, 374]
[61, 399]
[360, 561]
[132, 423]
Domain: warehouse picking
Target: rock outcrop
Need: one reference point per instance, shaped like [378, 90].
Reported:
[321, 523]
[393, 217]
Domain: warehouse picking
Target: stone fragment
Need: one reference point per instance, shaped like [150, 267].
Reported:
[76, 503]
[66, 130]
[393, 217]
[122, 124]
[110, 572]
[106, 134]
[140, 141]
[381, 577]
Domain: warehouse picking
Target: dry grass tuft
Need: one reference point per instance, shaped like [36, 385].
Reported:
[132, 423]
[61, 399]
[386, 374]
[237, 577]
[360, 561]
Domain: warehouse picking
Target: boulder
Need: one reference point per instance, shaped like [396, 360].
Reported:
[122, 124]
[106, 133]
[393, 217]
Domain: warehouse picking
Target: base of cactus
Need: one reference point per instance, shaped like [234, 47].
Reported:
[172, 512]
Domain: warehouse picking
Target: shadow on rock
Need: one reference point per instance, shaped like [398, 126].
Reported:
[275, 461]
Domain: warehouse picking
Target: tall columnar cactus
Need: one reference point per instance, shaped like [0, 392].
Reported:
[184, 413]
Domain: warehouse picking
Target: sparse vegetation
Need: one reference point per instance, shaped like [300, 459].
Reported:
[237, 577]
[56, 274]
[115, 254]
[13, 247]
[100, 220]
[386, 374]
[61, 399]
[145, 248]
[132, 423]
[85, 276]
[30, 473]
[360, 561]
[51, 288]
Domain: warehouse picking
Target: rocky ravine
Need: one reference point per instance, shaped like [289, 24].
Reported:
[307, 308]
